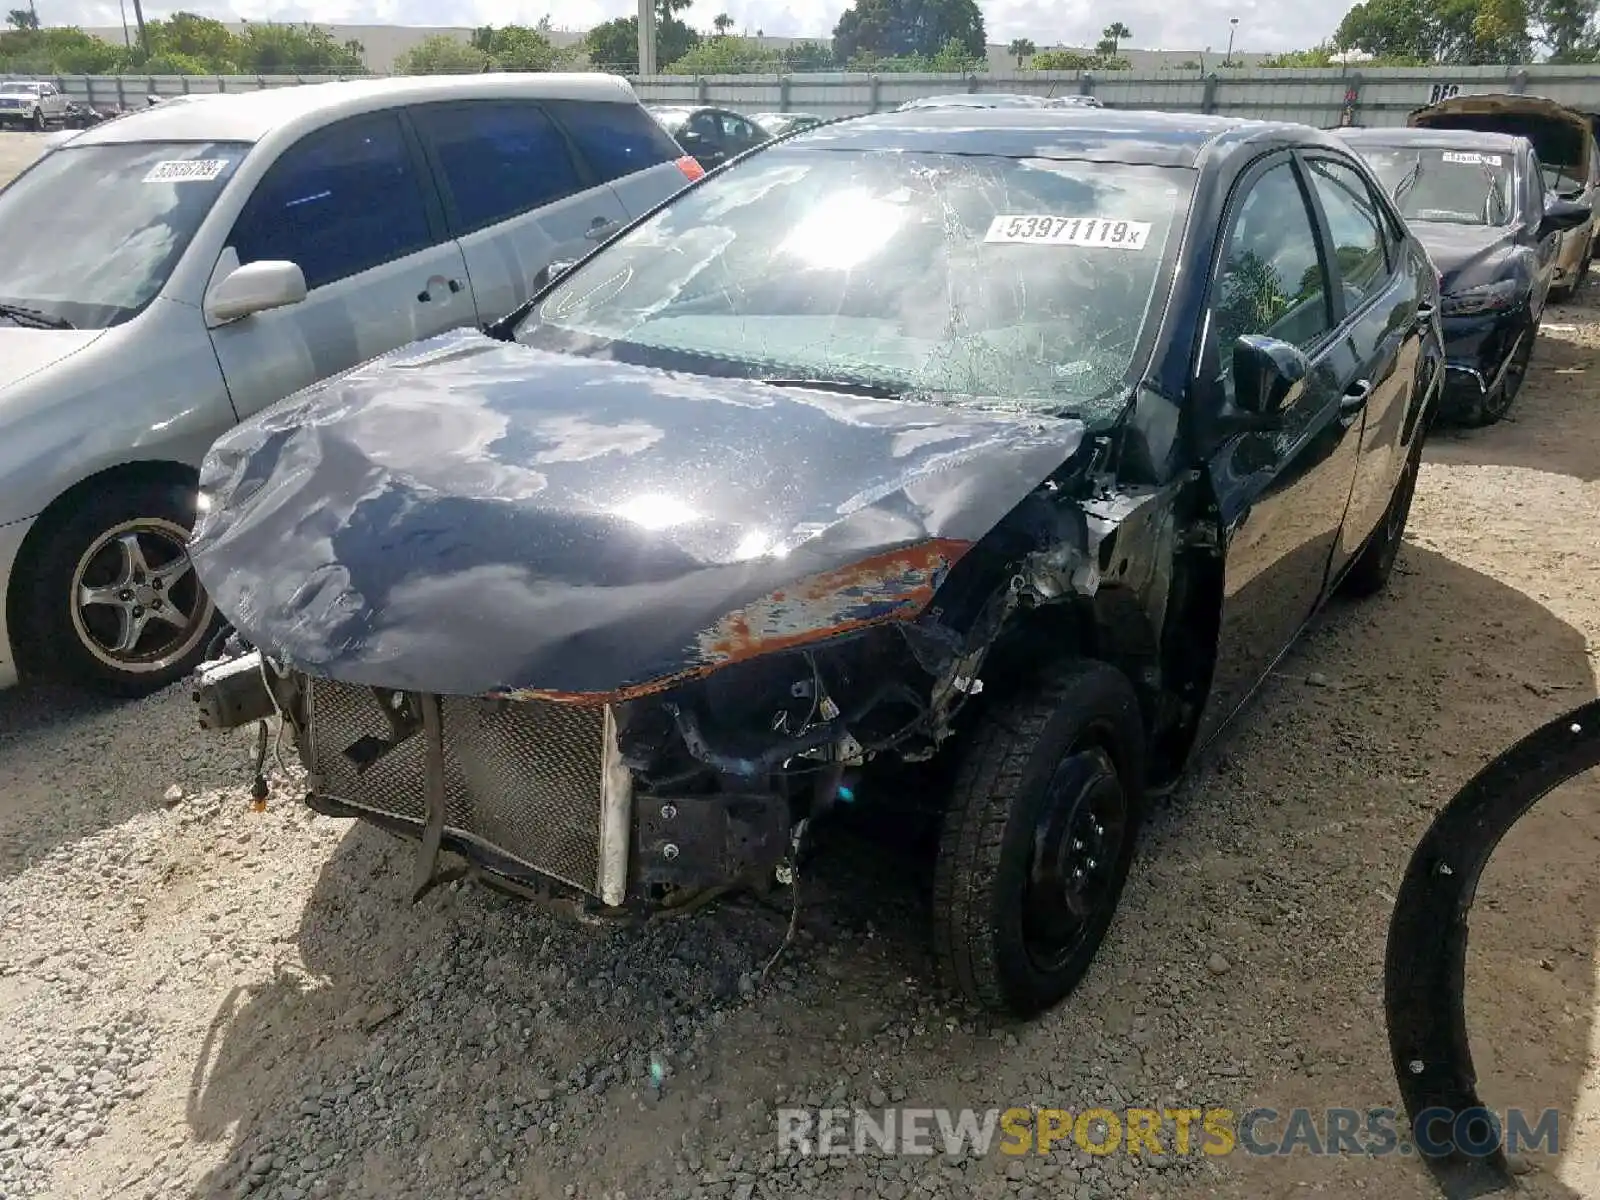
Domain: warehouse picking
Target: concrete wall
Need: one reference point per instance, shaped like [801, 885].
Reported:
[1322, 98]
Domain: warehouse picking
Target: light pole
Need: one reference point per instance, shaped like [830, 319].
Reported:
[1233, 25]
[647, 37]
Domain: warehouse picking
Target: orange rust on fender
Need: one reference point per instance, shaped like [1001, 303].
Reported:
[732, 639]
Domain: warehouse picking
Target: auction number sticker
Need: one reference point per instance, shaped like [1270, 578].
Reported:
[1472, 158]
[1105, 232]
[187, 170]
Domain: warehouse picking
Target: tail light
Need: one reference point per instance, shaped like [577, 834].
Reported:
[691, 167]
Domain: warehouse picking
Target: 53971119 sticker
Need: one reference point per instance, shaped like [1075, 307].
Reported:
[187, 170]
[1106, 233]
[1471, 158]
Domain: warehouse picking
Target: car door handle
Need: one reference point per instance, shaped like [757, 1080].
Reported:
[601, 228]
[1424, 313]
[425, 296]
[1354, 400]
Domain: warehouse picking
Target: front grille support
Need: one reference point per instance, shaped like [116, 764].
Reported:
[616, 815]
[433, 796]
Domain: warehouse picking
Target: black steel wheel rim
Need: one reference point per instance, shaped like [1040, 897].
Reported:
[1077, 847]
[1516, 372]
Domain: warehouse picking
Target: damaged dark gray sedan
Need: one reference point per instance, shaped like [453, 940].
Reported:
[1029, 438]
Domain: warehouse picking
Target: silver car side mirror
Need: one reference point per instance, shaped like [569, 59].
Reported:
[253, 288]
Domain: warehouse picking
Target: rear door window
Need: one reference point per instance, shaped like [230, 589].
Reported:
[615, 139]
[340, 201]
[496, 159]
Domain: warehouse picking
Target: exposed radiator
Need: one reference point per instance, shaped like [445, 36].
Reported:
[531, 780]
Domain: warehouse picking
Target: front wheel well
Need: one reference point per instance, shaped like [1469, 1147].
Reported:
[55, 513]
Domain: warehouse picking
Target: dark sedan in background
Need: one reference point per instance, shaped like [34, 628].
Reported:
[712, 135]
[1478, 201]
[1022, 441]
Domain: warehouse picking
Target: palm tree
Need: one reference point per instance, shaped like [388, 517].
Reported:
[1116, 33]
[1021, 49]
[722, 22]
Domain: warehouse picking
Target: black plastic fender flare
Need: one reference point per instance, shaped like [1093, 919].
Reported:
[1425, 961]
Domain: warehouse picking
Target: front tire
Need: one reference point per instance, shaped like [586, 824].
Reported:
[1492, 408]
[1038, 839]
[112, 599]
[38, 120]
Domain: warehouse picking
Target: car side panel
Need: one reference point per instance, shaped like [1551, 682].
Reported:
[357, 308]
[643, 190]
[504, 259]
[11, 537]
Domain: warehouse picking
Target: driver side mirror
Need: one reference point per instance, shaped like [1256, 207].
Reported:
[1561, 215]
[1265, 372]
[253, 288]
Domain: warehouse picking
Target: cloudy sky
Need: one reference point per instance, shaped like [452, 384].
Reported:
[1156, 24]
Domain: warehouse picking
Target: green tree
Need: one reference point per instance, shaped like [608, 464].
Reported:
[895, 28]
[726, 55]
[722, 23]
[1470, 32]
[270, 49]
[1316, 56]
[171, 63]
[808, 56]
[1116, 33]
[197, 38]
[442, 54]
[68, 51]
[1566, 28]
[1021, 49]
[519, 48]
[614, 45]
[1061, 60]
[22, 18]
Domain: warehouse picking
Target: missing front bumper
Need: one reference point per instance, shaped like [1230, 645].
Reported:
[536, 785]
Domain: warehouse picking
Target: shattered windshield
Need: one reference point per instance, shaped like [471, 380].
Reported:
[1461, 187]
[961, 278]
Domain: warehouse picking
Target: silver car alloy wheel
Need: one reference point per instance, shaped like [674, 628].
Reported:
[137, 605]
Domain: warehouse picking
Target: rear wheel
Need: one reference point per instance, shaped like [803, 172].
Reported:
[1038, 840]
[112, 598]
[1493, 407]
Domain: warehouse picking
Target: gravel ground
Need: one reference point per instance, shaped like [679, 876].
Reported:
[204, 1000]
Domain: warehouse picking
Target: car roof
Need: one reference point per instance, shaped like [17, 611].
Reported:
[1401, 136]
[1082, 132]
[250, 116]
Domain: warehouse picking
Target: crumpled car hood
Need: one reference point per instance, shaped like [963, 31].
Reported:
[1465, 255]
[475, 518]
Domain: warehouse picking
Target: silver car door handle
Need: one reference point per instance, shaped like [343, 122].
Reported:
[425, 296]
[601, 228]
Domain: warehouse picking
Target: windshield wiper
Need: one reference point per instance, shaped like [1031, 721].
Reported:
[851, 387]
[1404, 186]
[23, 315]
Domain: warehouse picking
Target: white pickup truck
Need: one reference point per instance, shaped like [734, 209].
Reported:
[31, 104]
